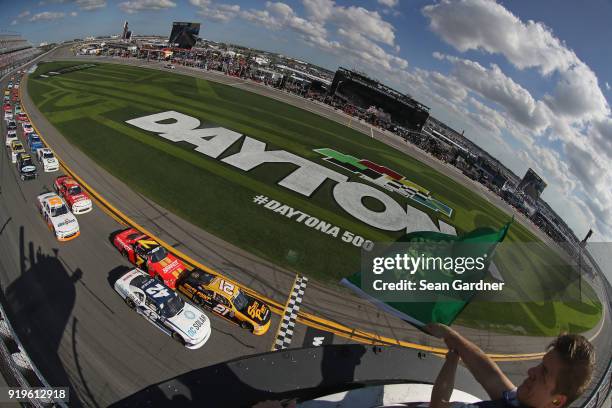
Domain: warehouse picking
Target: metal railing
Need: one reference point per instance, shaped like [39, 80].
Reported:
[16, 365]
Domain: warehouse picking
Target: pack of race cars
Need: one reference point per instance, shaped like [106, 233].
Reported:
[219, 295]
[162, 288]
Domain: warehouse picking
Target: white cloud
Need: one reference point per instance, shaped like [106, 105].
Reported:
[388, 3]
[319, 10]
[85, 5]
[577, 96]
[90, 5]
[47, 16]
[601, 135]
[135, 6]
[608, 86]
[74, 14]
[220, 13]
[353, 33]
[24, 14]
[492, 84]
[368, 23]
[488, 26]
[14, 22]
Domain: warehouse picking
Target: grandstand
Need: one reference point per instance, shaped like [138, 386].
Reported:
[369, 95]
[14, 51]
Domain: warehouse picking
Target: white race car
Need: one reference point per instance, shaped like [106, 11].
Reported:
[27, 128]
[164, 308]
[10, 136]
[58, 217]
[48, 159]
[8, 116]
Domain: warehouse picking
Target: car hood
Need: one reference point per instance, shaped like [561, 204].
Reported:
[65, 223]
[192, 323]
[50, 162]
[28, 168]
[257, 311]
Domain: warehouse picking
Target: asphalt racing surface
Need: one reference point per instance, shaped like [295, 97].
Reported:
[76, 329]
[80, 333]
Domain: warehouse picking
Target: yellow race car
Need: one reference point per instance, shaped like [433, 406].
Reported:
[225, 299]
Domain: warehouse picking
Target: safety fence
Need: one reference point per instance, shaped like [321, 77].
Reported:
[16, 366]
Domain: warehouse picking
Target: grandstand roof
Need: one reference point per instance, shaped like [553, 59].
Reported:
[305, 74]
[367, 81]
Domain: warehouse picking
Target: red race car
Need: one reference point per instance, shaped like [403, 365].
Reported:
[76, 198]
[22, 117]
[149, 255]
[7, 107]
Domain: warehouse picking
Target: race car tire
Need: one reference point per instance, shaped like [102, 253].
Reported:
[130, 303]
[178, 338]
[246, 325]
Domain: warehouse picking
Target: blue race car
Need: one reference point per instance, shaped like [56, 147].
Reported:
[34, 142]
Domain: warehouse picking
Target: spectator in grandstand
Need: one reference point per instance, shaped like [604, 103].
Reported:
[561, 377]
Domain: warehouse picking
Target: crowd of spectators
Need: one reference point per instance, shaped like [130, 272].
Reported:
[14, 51]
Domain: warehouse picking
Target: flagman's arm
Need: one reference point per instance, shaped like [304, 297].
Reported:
[486, 372]
[445, 382]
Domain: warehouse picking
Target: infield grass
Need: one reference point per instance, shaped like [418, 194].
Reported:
[90, 108]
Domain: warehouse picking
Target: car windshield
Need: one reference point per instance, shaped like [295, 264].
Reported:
[26, 162]
[74, 190]
[47, 155]
[240, 301]
[158, 254]
[55, 211]
[172, 306]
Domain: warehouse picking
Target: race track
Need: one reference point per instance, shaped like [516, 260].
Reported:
[80, 333]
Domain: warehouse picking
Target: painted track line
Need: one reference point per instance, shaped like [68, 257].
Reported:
[302, 317]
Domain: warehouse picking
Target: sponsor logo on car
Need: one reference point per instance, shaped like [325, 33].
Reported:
[257, 311]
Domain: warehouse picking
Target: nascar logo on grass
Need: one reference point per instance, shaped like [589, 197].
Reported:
[306, 178]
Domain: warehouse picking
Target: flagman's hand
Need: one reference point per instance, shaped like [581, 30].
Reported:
[443, 332]
[437, 330]
[486, 372]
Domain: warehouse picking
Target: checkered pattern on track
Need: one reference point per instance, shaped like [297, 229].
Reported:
[285, 330]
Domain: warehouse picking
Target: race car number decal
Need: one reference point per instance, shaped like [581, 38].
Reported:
[222, 310]
[227, 287]
[158, 291]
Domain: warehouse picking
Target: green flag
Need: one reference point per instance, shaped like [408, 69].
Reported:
[439, 306]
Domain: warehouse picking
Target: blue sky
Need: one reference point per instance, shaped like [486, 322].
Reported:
[528, 81]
